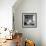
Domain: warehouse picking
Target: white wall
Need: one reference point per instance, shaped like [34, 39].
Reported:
[6, 13]
[37, 34]
[28, 6]
[43, 22]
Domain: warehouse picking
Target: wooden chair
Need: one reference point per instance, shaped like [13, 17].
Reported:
[18, 39]
[29, 43]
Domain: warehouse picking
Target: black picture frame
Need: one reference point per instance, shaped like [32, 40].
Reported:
[29, 20]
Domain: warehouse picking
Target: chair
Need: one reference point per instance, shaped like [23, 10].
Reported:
[29, 43]
[18, 39]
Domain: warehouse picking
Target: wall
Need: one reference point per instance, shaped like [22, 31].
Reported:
[6, 13]
[43, 22]
[28, 6]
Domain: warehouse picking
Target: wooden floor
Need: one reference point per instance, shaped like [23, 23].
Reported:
[9, 43]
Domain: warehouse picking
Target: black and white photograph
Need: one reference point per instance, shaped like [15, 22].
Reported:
[29, 20]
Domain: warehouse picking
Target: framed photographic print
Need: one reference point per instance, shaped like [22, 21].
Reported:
[29, 20]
